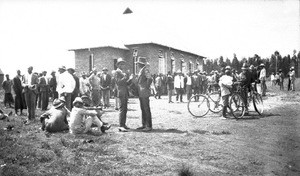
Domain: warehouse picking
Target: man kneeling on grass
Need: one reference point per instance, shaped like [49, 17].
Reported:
[55, 119]
[82, 119]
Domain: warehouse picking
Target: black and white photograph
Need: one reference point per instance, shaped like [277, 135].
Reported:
[149, 87]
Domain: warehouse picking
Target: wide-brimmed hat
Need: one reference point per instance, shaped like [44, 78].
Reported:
[104, 69]
[77, 100]
[120, 60]
[57, 103]
[62, 68]
[83, 73]
[227, 68]
[71, 69]
[142, 60]
[262, 65]
[178, 71]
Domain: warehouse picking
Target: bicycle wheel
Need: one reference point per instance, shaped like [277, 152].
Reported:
[215, 104]
[237, 106]
[198, 105]
[258, 103]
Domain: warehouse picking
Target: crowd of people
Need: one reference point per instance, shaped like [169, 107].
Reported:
[83, 98]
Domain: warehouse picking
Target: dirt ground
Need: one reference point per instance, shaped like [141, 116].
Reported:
[255, 145]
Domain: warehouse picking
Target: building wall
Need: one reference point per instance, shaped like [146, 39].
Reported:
[151, 51]
[103, 57]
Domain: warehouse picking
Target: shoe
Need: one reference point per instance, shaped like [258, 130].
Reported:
[147, 129]
[122, 129]
[104, 128]
[171, 102]
[126, 127]
[223, 118]
[140, 128]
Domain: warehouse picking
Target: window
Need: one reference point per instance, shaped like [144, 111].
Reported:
[91, 62]
[172, 63]
[135, 56]
[161, 62]
[183, 66]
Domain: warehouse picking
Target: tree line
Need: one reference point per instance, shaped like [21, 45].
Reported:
[283, 62]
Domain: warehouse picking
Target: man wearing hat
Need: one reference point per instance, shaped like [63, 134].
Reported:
[55, 119]
[262, 78]
[84, 85]
[245, 78]
[81, 119]
[19, 95]
[53, 85]
[76, 91]
[105, 83]
[179, 85]
[66, 85]
[122, 82]
[225, 84]
[170, 86]
[44, 91]
[292, 77]
[30, 83]
[144, 83]
[94, 80]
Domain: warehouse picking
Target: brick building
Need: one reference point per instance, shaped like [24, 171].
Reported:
[161, 58]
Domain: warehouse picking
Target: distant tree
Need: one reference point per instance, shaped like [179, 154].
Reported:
[221, 62]
[228, 62]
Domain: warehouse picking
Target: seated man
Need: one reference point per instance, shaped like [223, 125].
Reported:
[81, 119]
[55, 119]
[87, 105]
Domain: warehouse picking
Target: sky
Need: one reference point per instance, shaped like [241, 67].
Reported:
[40, 33]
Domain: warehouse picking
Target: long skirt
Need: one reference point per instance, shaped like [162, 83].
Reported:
[8, 98]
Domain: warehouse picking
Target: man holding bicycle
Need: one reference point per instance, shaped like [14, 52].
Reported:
[245, 79]
[225, 83]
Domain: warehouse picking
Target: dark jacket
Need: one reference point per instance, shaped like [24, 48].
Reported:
[122, 82]
[144, 83]
[170, 82]
[105, 83]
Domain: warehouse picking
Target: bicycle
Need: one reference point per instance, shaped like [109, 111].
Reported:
[237, 104]
[200, 104]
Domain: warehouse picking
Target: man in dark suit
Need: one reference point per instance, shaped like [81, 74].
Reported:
[144, 82]
[105, 83]
[122, 82]
[19, 98]
[44, 87]
[30, 83]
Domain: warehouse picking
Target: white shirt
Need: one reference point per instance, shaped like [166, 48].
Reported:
[227, 81]
[83, 85]
[262, 75]
[66, 83]
[27, 79]
[188, 80]
[179, 81]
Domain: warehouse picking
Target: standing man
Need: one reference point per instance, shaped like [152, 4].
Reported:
[189, 83]
[105, 82]
[262, 78]
[65, 86]
[53, 85]
[225, 83]
[122, 82]
[84, 85]
[196, 79]
[18, 89]
[281, 79]
[7, 85]
[158, 85]
[95, 85]
[144, 83]
[75, 92]
[30, 84]
[170, 86]
[44, 87]
[292, 78]
[179, 85]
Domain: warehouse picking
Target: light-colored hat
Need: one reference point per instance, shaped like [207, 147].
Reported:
[292, 68]
[245, 66]
[62, 68]
[77, 100]
[251, 67]
[62, 99]
[142, 60]
[178, 71]
[227, 68]
[104, 69]
[262, 65]
[57, 103]
[120, 60]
